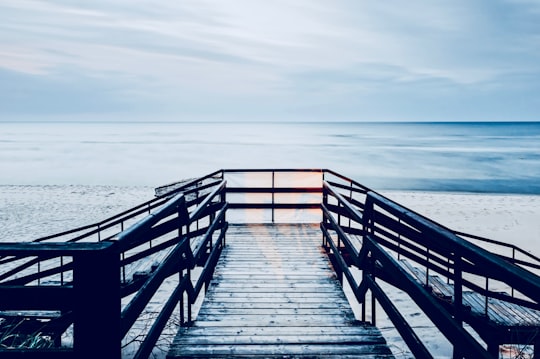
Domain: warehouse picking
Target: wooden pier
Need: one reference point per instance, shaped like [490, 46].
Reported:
[274, 294]
[266, 252]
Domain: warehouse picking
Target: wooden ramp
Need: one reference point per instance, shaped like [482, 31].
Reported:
[275, 295]
[501, 321]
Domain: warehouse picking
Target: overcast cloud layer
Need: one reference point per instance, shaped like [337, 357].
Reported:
[337, 60]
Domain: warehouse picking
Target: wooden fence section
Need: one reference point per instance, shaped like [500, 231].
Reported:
[93, 288]
[396, 245]
[275, 295]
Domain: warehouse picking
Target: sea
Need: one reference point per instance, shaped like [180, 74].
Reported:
[473, 157]
[55, 175]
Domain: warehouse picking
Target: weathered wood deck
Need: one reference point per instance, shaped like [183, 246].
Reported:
[499, 312]
[274, 294]
[497, 321]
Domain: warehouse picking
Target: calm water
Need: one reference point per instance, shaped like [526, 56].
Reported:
[479, 157]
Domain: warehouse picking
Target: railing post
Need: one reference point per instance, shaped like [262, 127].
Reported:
[458, 297]
[373, 307]
[323, 215]
[512, 288]
[273, 195]
[427, 268]
[181, 302]
[191, 301]
[367, 224]
[350, 199]
[367, 217]
[487, 299]
[223, 199]
[96, 329]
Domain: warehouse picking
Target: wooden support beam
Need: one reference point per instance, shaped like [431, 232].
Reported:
[96, 277]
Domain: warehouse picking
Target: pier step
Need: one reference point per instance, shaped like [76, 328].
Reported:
[275, 295]
[499, 312]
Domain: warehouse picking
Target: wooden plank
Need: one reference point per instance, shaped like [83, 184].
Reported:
[263, 297]
[281, 339]
[294, 296]
[500, 312]
[269, 304]
[358, 329]
[275, 278]
[278, 310]
[276, 286]
[280, 319]
[526, 316]
[280, 272]
[281, 350]
[477, 305]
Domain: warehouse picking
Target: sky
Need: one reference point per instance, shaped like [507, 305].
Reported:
[280, 60]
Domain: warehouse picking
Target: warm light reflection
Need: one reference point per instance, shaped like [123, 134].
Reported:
[264, 182]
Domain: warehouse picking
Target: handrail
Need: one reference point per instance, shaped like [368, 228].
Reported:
[268, 170]
[453, 331]
[184, 252]
[183, 257]
[515, 276]
[107, 223]
[129, 237]
[135, 307]
[513, 247]
[380, 224]
[186, 185]
[353, 212]
[118, 218]
[171, 216]
[198, 212]
[351, 181]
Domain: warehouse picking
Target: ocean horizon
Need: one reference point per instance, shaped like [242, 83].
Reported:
[484, 157]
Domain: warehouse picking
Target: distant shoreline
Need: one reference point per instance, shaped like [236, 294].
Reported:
[256, 121]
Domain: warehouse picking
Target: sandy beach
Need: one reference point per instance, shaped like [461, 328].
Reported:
[507, 218]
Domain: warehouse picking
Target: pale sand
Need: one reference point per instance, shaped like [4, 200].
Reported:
[511, 219]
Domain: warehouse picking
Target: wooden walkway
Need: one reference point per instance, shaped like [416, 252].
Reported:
[275, 295]
[501, 321]
[498, 311]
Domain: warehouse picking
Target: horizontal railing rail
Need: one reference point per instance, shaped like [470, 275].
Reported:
[173, 188]
[530, 261]
[276, 190]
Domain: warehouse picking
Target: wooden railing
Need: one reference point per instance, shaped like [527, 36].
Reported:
[364, 229]
[275, 192]
[102, 287]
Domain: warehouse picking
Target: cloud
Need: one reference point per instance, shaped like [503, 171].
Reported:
[239, 55]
